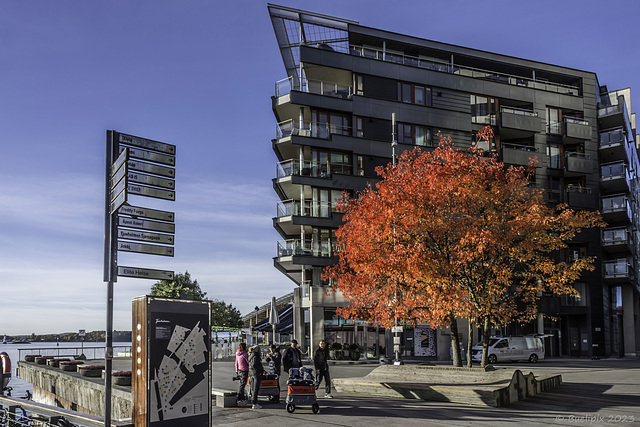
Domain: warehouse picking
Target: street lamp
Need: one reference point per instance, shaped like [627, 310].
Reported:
[396, 328]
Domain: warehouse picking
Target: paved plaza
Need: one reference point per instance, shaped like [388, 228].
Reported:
[593, 392]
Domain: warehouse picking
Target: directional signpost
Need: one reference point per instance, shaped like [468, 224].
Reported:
[139, 167]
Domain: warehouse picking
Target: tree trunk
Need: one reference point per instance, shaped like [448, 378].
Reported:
[470, 342]
[486, 334]
[455, 344]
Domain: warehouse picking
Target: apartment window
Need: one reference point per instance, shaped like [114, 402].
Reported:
[490, 145]
[324, 123]
[575, 252]
[555, 189]
[414, 94]
[359, 126]
[360, 165]
[554, 156]
[414, 135]
[325, 202]
[576, 300]
[554, 125]
[358, 84]
[483, 109]
[324, 163]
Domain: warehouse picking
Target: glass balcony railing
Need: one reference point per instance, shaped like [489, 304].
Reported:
[615, 203]
[619, 267]
[307, 248]
[311, 169]
[612, 137]
[318, 87]
[446, 67]
[612, 170]
[310, 129]
[308, 208]
[615, 236]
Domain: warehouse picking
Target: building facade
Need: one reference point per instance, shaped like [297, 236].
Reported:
[333, 111]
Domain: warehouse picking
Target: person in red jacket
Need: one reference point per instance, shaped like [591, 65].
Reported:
[242, 370]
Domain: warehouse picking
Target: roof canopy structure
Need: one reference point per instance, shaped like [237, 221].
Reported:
[294, 28]
[285, 325]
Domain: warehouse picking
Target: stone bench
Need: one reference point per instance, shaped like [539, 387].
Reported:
[225, 398]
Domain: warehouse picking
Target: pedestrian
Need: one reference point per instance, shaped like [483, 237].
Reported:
[242, 370]
[255, 372]
[321, 363]
[292, 357]
[275, 360]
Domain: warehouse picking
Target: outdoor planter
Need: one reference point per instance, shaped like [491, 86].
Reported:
[91, 370]
[56, 362]
[71, 366]
[121, 378]
[43, 360]
[31, 357]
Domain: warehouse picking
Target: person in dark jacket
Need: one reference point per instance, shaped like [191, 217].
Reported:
[321, 363]
[255, 373]
[292, 357]
[275, 360]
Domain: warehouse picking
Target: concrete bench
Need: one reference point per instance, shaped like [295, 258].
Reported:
[225, 398]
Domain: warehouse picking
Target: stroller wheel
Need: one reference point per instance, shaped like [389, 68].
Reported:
[315, 408]
[291, 408]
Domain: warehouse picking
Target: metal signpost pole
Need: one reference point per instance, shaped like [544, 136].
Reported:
[110, 261]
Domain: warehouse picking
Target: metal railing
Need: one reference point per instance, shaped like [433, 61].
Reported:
[615, 235]
[92, 353]
[577, 121]
[613, 169]
[612, 137]
[446, 67]
[311, 169]
[520, 147]
[307, 208]
[519, 111]
[618, 267]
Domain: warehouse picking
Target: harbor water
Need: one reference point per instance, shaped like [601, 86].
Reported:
[16, 352]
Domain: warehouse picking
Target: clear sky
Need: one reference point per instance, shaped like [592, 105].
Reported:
[200, 74]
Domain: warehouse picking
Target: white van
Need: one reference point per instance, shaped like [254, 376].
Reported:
[502, 349]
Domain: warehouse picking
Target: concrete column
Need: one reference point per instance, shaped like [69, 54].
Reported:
[629, 320]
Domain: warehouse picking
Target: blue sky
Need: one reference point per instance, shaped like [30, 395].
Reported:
[199, 74]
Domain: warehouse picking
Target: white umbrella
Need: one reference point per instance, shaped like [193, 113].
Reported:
[273, 317]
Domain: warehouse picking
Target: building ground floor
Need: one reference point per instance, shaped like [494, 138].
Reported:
[572, 332]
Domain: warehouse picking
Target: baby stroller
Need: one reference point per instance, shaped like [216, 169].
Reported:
[301, 390]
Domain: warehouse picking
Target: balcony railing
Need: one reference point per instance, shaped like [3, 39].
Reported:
[612, 137]
[307, 248]
[318, 87]
[612, 170]
[311, 169]
[307, 208]
[476, 73]
[519, 111]
[615, 236]
[617, 268]
[310, 129]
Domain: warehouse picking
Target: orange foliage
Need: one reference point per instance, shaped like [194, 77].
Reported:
[453, 231]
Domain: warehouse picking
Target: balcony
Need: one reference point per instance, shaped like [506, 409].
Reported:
[290, 128]
[617, 271]
[296, 247]
[613, 112]
[615, 178]
[317, 87]
[448, 67]
[616, 209]
[518, 122]
[576, 129]
[514, 154]
[617, 240]
[578, 164]
[580, 198]
[293, 214]
[613, 146]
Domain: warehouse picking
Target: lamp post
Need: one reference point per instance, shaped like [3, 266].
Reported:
[396, 328]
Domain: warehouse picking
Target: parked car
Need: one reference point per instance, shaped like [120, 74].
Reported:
[503, 349]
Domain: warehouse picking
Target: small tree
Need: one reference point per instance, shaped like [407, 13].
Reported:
[180, 287]
[450, 234]
[227, 315]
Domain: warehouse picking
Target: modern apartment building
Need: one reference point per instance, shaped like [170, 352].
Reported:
[333, 110]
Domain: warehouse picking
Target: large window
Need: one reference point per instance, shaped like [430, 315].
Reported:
[324, 163]
[577, 300]
[554, 124]
[325, 201]
[490, 145]
[358, 84]
[324, 123]
[483, 110]
[414, 135]
[554, 156]
[414, 94]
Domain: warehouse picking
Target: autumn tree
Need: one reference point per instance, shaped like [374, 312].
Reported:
[453, 234]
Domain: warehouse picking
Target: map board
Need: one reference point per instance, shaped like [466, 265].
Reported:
[177, 359]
